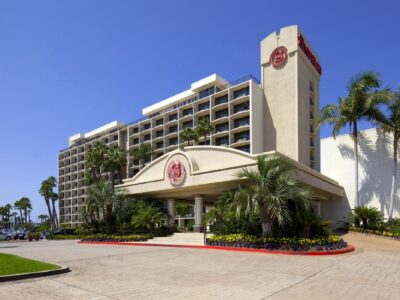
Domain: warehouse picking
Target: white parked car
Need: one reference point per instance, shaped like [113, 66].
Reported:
[5, 236]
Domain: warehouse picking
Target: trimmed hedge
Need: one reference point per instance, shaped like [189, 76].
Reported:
[117, 238]
[395, 235]
[291, 244]
[64, 237]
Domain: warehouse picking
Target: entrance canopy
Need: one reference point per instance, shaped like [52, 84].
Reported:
[209, 171]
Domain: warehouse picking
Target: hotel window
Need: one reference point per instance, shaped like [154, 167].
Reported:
[173, 117]
[244, 148]
[188, 124]
[206, 92]
[312, 128]
[135, 130]
[241, 93]
[311, 114]
[160, 133]
[115, 137]
[135, 141]
[222, 141]
[241, 107]
[204, 106]
[222, 127]
[173, 141]
[173, 129]
[241, 136]
[241, 122]
[159, 122]
[146, 126]
[222, 99]
[159, 145]
[221, 113]
[311, 86]
[312, 141]
[187, 112]
[147, 137]
[311, 155]
[311, 99]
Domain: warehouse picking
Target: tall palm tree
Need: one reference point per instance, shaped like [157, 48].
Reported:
[18, 205]
[273, 192]
[188, 135]
[361, 103]
[204, 128]
[115, 162]
[26, 207]
[391, 124]
[142, 154]
[94, 160]
[47, 191]
[43, 218]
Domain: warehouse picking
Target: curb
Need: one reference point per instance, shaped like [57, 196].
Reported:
[348, 249]
[63, 270]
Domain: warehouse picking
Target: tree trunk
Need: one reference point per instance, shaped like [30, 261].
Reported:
[266, 228]
[50, 214]
[392, 191]
[55, 215]
[22, 217]
[266, 225]
[355, 138]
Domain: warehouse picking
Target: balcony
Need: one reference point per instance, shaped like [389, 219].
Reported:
[241, 107]
[221, 114]
[204, 106]
[221, 100]
[241, 122]
[222, 141]
[245, 148]
[241, 93]
[222, 127]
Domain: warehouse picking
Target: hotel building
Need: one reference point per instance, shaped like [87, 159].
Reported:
[273, 117]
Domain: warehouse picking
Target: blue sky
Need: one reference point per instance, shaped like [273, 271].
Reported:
[71, 66]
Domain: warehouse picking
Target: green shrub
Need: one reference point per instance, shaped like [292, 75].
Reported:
[367, 217]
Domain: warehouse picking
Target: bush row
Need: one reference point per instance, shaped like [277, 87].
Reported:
[116, 238]
[64, 237]
[296, 244]
[376, 232]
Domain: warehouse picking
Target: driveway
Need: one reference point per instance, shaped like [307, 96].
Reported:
[135, 272]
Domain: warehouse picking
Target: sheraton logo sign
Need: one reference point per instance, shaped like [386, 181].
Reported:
[309, 54]
[176, 172]
[278, 57]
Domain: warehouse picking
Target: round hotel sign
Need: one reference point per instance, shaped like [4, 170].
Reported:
[278, 57]
[176, 172]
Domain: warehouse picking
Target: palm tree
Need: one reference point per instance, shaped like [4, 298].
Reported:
[43, 218]
[188, 135]
[273, 192]
[26, 205]
[47, 191]
[391, 124]
[101, 202]
[361, 103]
[18, 205]
[115, 162]
[204, 128]
[94, 160]
[142, 154]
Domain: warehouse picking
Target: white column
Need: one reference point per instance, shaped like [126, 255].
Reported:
[198, 213]
[171, 211]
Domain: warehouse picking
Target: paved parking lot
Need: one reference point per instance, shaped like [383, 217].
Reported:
[133, 272]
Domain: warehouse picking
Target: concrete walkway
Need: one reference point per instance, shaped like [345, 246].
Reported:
[129, 272]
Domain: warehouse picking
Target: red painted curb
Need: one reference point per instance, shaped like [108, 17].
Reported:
[348, 249]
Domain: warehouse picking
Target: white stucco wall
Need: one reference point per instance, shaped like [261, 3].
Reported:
[375, 171]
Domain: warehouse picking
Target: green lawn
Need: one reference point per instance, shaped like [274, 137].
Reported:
[12, 264]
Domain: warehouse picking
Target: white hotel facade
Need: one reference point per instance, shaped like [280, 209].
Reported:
[274, 116]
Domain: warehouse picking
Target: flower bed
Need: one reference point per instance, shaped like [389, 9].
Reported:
[395, 235]
[116, 238]
[331, 243]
